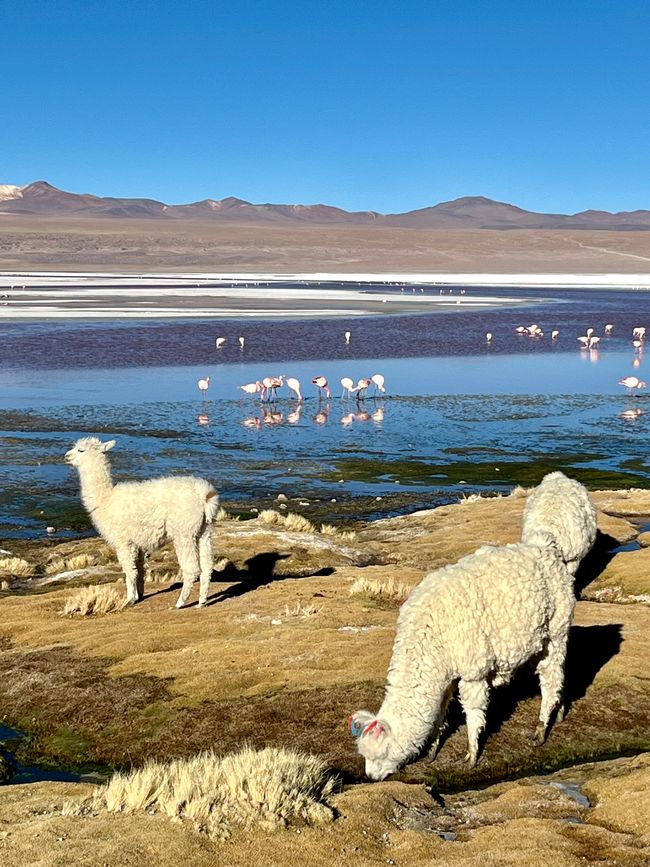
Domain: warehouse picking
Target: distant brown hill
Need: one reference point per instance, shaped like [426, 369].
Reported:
[469, 212]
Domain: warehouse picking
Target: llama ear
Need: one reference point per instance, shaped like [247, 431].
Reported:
[108, 446]
[358, 721]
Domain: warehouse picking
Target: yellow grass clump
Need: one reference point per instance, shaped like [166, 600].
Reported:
[304, 612]
[16, 566]
[96, 599]
[331, 530]
[291, 521]
[269, 788]
[385, 591]
[70, 564]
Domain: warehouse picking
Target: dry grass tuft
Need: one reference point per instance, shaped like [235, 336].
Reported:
[16, 566]
[270, 516]
[96, 599]
[331, 530]
[269, 789]
[298, 523]
[222, 514]
[70, 564]
[518, 492]
[384, 591]
[291, 522]
[304, 612]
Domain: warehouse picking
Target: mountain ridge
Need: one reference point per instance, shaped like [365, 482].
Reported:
[40, 198]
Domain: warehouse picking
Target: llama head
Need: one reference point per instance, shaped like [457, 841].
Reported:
[374, 742]
[87, 450]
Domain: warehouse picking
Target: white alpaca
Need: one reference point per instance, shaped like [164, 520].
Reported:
[136, 517]
[562, 508]
[470, 625]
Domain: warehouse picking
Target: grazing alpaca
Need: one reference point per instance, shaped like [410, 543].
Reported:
[561, 508]
[136, 517]
[471, 625]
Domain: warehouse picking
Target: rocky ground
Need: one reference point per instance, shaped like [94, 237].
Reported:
[281, 656]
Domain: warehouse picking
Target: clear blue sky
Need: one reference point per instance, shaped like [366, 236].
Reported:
[367, 105]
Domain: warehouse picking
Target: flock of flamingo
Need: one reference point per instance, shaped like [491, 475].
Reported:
[268, 387]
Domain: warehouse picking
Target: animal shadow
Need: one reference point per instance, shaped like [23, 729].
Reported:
[596, 561]
[589, 649]
[258, 572]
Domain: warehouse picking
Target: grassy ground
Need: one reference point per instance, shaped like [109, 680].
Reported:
[283, 653]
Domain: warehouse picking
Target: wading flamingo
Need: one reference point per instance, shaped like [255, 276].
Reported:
[253, 387]
[272, 384]
[555, 334]
[609, 328]
[294, 385]
[219, 342]
[242, 341]
[347, 335]
[379, 381]
[488, 336]
[593, 342]
[348, 385]
[632, 383]
[321, 383]
[362, 386]
[204, 384]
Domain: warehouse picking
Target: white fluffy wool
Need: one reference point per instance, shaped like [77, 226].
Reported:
[136, 517]
[562, 508]
[471, 624]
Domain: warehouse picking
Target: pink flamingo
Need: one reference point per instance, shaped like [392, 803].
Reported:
[631, 383]
[362, 386]
[294, 385]
[272, 383]
[488, 336]
[609, 328]
[555, 334]
[204, 384]
[379, 381]
[593, 342]
[253, 387]
[321, 383]
[348, 385]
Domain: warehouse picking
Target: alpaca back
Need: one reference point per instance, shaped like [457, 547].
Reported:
[151, 512]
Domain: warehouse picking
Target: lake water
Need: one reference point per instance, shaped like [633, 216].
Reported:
[459, 415]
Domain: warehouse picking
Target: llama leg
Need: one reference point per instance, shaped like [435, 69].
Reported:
[550, 671]
[440, 722]
[126, 556]
[188, 560]
[474, 699]
[140, 566]
[206, 562]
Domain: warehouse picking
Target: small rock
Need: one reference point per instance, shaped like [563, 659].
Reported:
[283, 505]
[276, 622]
[332, 501]
[378, 499]
[282, 498]
[50, 530]
[341, 481]
[303, 503]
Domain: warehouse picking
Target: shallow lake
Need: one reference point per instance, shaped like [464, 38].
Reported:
[459, 415]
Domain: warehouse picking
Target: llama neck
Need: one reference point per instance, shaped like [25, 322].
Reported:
[96, 483]
[414, 712]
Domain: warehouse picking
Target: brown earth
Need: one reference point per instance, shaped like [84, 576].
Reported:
[284, 653]
[36, 243]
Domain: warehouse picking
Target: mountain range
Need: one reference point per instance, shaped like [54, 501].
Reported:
[41, 199]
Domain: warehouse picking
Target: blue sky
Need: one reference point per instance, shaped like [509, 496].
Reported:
[366, 105]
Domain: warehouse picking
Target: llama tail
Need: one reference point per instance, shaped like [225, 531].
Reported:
[211, 505]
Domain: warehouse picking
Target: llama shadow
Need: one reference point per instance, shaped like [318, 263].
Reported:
[602, 553]
[258, 572]
[589, 649]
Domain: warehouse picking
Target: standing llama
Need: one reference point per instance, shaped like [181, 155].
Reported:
[136, 517]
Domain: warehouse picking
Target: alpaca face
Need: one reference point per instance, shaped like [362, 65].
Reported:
[86, 450]
[374, 743]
